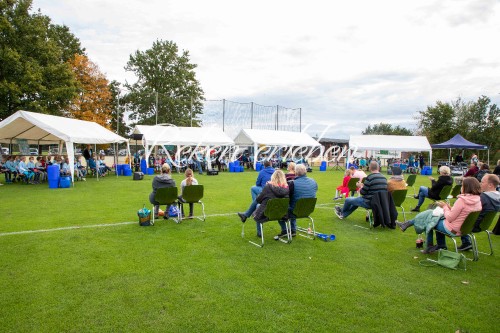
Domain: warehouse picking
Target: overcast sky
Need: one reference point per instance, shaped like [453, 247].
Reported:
[347, 64]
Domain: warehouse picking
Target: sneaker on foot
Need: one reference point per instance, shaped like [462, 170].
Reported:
[338, 212]
[282, 234]
[243, 217]
[431, 249]
[465, 247]
[416, 209]
[294, 233]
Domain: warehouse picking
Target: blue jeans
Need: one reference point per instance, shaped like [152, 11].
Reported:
[293, 222]
[423, 193]
[466, 240]
[255, 191]
[351, 204]
[198, 166]
[440, 238]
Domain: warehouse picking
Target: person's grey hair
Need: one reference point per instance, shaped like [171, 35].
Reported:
[165, 168]
[373, 166]
[300, 170]
[444, 170]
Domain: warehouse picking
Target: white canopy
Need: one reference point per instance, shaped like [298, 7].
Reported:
[182, 137]
[390, 142]
[43, 129]
[271, 141]
[250, 137]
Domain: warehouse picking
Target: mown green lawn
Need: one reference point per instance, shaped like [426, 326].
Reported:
[85, 269]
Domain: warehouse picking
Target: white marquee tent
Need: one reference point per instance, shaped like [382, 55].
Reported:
[182, 137]
[43, 129]
[389, 142]
[275, 139]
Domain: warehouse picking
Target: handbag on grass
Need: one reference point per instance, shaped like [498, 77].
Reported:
[144, 216]
[448, 259]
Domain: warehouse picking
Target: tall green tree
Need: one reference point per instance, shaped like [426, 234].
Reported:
[386, 129]
[165, 77]
[437, 122]
[34, 74]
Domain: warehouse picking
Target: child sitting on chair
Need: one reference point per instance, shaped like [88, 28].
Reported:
[190, 180]
[344, 188]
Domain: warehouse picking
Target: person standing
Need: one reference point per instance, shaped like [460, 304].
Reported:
[421, 161]
[87, 154]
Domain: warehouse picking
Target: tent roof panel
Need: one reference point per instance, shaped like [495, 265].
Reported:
[248, 137]
[46, 129]
[458, 141]
[390, 142]
[184, 136]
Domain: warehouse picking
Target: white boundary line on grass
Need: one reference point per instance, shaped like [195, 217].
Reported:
[85, 227]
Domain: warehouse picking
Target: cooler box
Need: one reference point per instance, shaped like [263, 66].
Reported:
[65, 182]
[138, 175]
[151, 171]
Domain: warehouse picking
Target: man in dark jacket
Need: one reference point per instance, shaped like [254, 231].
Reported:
[161, 181]
[490, 202]
[375, 182]
[263, 177]
[433, 192]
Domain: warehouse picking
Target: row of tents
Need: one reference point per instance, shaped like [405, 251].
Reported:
[41, 129]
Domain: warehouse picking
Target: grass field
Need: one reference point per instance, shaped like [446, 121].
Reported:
[76, 260]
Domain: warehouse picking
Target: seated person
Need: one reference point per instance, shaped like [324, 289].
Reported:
[375, 182]
[485, 169]
[433, 192]
[263, 177]
[397, 181]
[80, 170]
[5, 170]
[32, 167]
[41, 166]
[496, 171]
[290, 175]
[65, 169]
[162, 180]
[453, 218]
[343, 190]
[92, 164]
[357, 173]
[301, 187]
[11, 168]
[473, 170]
[104, 168]
[276, 187]
[188, 181]
[490, 202]
[23, 169]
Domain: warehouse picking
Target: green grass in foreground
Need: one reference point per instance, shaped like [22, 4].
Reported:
[202, 276]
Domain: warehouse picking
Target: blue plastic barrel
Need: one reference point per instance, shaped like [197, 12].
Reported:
[144, 167]
[151, 171]
[53, 172]
[231, 167]
[127, 172]
[53, 183]
[258, 166]
[119, 169]
[242, 168]
[236, 163]
[322, 167]
[65, 182]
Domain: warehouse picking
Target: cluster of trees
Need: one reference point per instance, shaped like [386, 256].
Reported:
[477, 121]
[44, 68]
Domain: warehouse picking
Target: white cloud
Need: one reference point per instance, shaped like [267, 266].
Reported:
[349, 63]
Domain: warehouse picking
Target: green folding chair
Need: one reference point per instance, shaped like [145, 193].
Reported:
[304, 207]
[445, 192]
[466, 230]
[410, 181]
[167, 196]
[399, 197]
[486, 222]
[352, 186]
[276, 210]
[455, 192]
[192, 195]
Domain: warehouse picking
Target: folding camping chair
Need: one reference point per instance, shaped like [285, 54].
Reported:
[486, 222]
[466, 230]
[410, 181]
[399, 197]
[276, 210]
[304, 207]
[192, 195]
[167, 196]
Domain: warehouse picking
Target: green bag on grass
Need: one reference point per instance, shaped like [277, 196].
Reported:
[449, 259]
